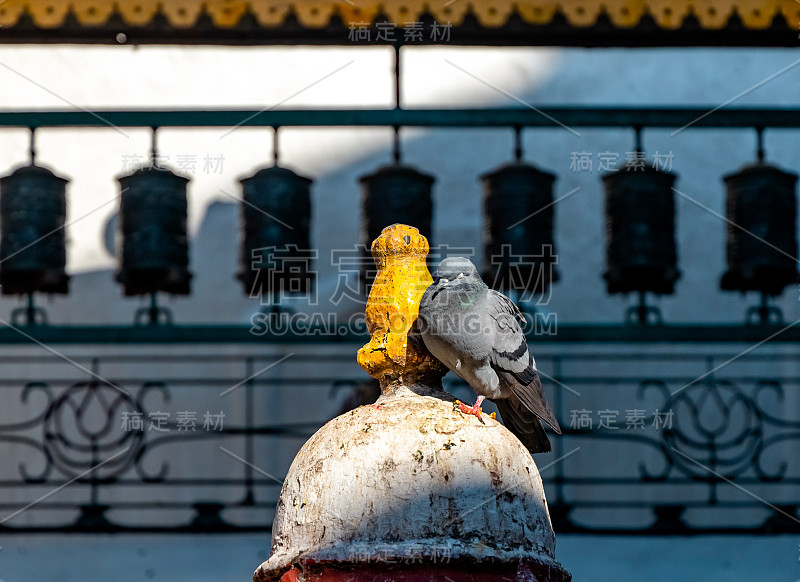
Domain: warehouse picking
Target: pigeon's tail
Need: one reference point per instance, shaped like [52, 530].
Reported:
[525, 425]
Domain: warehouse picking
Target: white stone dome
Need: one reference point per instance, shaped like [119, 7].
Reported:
[409, 478]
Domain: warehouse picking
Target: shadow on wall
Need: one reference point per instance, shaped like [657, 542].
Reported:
[457, 157]
[217, 295]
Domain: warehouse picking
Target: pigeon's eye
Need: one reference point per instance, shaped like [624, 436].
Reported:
[407, 240]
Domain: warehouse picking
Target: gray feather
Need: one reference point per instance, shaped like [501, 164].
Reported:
[512, 360]
[524, 425]
[476, 333]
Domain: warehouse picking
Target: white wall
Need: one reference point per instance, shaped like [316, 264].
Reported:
[59, 77]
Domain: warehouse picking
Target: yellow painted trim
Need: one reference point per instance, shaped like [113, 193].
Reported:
[669, 14]
[138, 13]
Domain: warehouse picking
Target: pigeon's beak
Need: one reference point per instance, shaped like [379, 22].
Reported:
[442, 280]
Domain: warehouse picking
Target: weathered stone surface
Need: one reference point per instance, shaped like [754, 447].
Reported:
[410, 479]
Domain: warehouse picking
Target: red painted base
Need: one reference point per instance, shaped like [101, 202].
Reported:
[527, 571]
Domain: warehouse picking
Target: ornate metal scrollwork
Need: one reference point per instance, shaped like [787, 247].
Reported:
[81, 431]
[717, 425]
[722, 430]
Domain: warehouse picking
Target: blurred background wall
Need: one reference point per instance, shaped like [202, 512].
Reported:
[124, 76]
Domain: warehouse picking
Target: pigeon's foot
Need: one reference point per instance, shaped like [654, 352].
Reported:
[474, 409]
[463, 408]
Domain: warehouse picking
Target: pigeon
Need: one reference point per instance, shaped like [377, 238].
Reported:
[475, 331]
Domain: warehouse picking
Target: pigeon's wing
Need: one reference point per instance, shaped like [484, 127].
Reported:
[524, 424]
[511, 359]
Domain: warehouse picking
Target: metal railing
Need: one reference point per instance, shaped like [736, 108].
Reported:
[80, 451]
[657, 439]
[512, 117]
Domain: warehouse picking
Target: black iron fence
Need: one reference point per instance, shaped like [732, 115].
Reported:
[659, 438]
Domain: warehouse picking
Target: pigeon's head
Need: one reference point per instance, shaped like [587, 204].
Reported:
[453, 268]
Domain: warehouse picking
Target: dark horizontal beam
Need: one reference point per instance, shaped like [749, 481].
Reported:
[193, 334]
[553, 117]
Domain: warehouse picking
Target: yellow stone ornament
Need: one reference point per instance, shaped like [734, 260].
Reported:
[393, 307]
